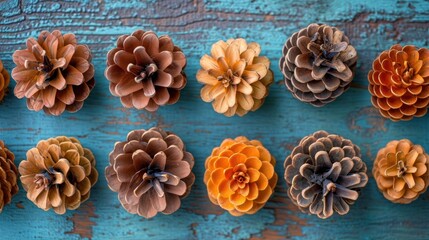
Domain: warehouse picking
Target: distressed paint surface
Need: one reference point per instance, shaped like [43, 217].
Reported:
[194, 25]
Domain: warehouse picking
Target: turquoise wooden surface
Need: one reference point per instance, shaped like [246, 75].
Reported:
[194, 25]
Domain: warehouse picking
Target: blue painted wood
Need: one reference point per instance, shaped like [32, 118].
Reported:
[194, 25]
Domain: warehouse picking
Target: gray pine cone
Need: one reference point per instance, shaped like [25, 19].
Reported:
[318, 64]
[324, 174]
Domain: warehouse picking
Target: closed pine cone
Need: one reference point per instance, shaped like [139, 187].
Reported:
[8, 176]
[324, 174]
[318, 64]
[146, 71]
[399, 82]
[54, 73]
[151, 171]
[58, 173]
[401, 171]
[4, 81]
[236, 78]
[240, 176]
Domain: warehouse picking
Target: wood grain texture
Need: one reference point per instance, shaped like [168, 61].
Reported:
[195, 25]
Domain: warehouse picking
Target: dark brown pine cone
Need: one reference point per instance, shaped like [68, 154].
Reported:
[8, 176]
[54, 73]
[318, 64]
[4, 81]
[324, 174]
[151, 171]
[146, 71]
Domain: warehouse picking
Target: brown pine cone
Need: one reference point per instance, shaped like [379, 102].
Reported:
[318, 64]
[401, 171]
[399, 82]
[8, 176]
[236, 78]
[324, 174]
[4, 81]
[54, 73]
[58, 173]
[151, 171]
[146, 71]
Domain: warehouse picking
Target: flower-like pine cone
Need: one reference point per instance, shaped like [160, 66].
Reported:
[236, 78]
[324, 174]
[58, 173]
[54, 73]
[399, 82]
[151, 171]
[146, 71]
[8, 176]
[401, 171]
[318, 64]
[240, 176]
[4, 81]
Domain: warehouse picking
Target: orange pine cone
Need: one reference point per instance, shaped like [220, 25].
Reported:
[399, 82]
[4, 81]
[240, 176]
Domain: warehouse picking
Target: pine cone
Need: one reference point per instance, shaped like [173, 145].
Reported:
[324, 174]
[58, 173]
[401, 171]
[54, 73]
[240, 176]
[151, 171]
[8, 176]
[399, 82]
[146, 71]
[318, 64]
[236, 78]
[4, 81]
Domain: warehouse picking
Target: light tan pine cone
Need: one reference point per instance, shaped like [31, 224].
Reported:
[58, 173]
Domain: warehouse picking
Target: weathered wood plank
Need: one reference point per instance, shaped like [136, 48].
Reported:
[194, 25]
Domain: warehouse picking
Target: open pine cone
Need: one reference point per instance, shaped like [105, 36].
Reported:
[236, 78]
[151, 171]
[146, 71]
[240, 176]
[8, 176]
[399, 82]
[318, 64]
[54, 73]
[58, 173]
[324, 174]
[4, 81]
[401, 171]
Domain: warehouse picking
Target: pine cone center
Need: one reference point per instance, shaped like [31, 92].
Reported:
[142, 73]
[325, 50]
[229, 78]
[44, 65]
[241, 178]
[406, 71]
[46, 179]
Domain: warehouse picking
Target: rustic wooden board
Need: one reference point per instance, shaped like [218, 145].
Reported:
[194, 25]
